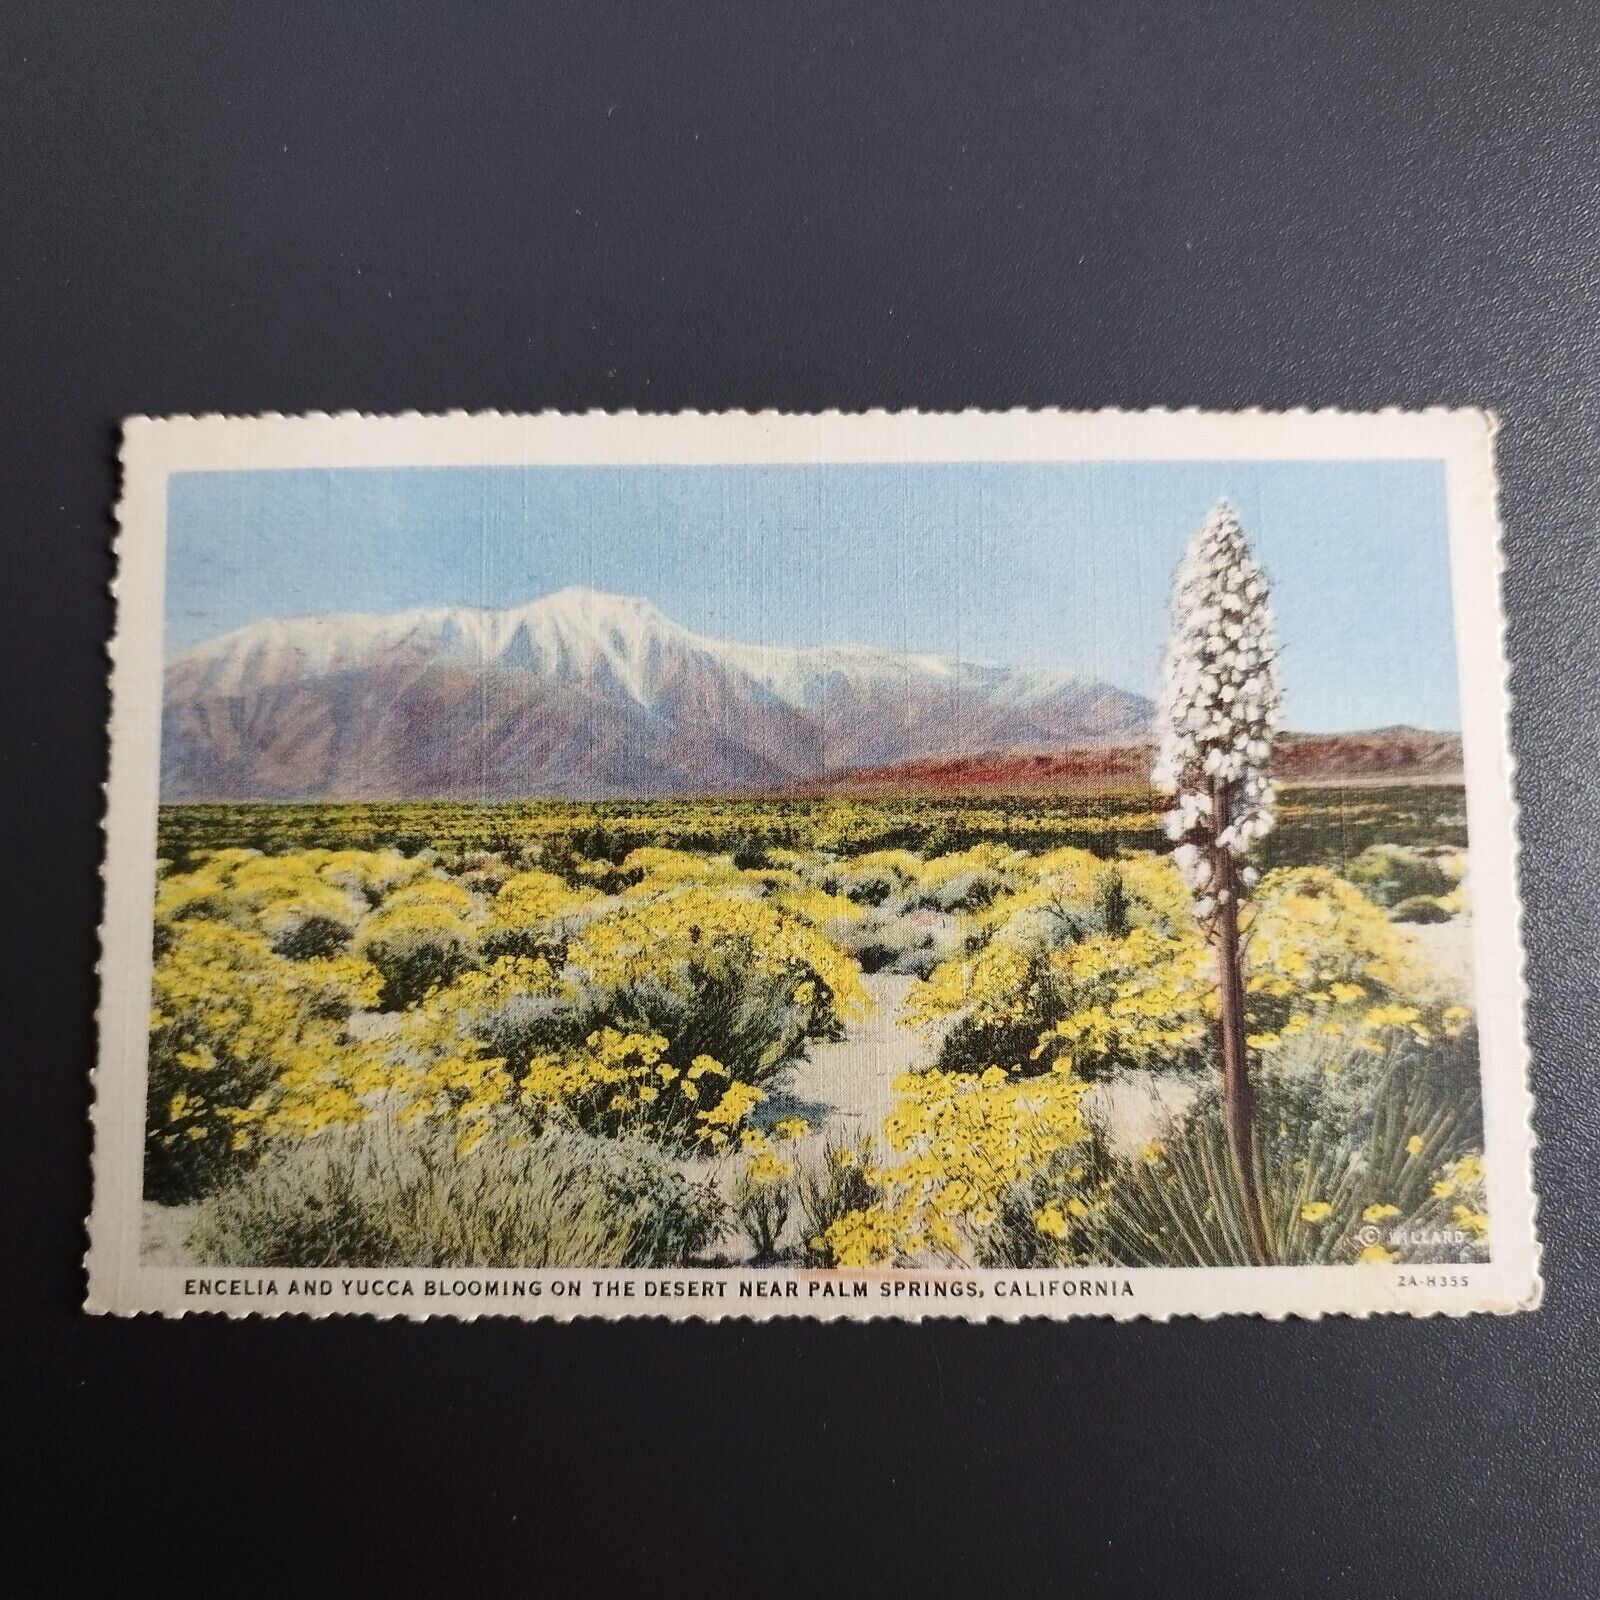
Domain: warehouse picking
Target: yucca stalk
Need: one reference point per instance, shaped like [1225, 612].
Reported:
[1218, 710]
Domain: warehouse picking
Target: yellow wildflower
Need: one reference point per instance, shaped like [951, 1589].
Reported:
[1050, 1222]
[766, 1168]
[737, 1102]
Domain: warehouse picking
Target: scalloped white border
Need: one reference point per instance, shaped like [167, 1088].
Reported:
[154, 448]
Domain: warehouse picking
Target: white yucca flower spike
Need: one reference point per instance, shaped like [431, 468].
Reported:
[1219, 700]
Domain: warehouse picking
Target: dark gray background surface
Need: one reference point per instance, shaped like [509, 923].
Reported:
[230, 207]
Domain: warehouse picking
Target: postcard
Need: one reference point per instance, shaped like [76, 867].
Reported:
[985, 865]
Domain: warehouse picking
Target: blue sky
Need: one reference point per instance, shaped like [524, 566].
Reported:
[1064, 565]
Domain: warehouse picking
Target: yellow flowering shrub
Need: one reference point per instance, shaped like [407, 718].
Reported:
[1056, 881]
[1145, 997]
[829, 1190]
[966, 880]
[1311, 930]
[285, 898]
[1056, 1215]
[991, 986]
[729, 975]
[1459, 1184]
[656, 1015]
[423, 935]
[474, 1003]
[241, 1041]
[1109, 966]
[873, 877]
[1392, 874]
[533, 914]
[615, 1080]
[532, 899]
[1102, 962]
[619, 1082]
[673, 934]
[815, 905]
[656, 868]
[371, 873]
[720, 1122]
[506, 1037]
[868, 1236]
[960, 1141]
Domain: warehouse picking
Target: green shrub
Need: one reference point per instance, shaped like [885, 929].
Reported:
[379, 1196]
[976, 1042]
[971, 890]
[1391, 873]
[830, 1190]
[746, 1020]
[749, 855]
[761, 1207]
[1421, 908]
[869, 883]
[890, 939]
[311, 937]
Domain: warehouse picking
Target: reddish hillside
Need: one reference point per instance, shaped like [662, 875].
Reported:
[1382, 755]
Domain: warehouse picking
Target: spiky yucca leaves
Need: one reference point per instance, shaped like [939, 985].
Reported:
[1341, 1174]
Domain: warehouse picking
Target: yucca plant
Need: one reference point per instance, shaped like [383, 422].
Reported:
[1329, 1188]
[1218, 712]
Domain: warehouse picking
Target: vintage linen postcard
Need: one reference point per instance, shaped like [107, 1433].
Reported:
[986, 865]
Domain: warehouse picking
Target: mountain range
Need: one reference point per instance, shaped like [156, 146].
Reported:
[581, 694]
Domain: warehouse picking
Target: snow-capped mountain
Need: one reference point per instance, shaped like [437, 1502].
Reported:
[581, 694]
